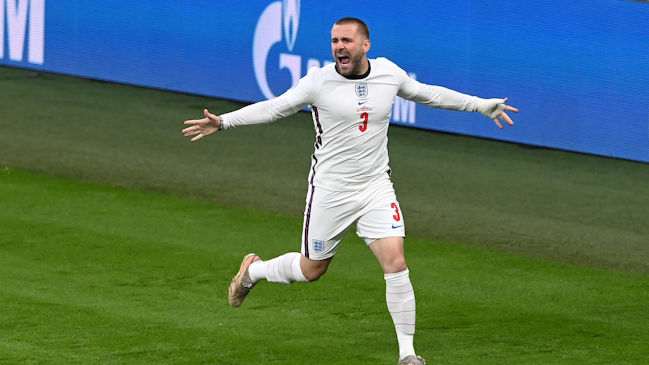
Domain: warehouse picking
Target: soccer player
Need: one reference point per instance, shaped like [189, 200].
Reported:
[349, 179]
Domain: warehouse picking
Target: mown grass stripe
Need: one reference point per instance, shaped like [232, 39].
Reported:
[76, 289]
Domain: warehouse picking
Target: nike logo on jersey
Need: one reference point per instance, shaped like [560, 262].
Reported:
[362, 102]
[393, 226]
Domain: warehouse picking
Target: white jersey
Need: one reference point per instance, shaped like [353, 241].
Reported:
[351, 118]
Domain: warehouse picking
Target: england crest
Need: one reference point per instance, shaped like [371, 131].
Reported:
[318, 246]
[361, 90]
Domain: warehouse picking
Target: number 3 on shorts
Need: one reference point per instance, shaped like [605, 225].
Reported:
[397, 217]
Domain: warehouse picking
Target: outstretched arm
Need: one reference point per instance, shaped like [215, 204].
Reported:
[441, 97]
[266, 111]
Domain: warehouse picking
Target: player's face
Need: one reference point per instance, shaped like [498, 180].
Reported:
[349, 49]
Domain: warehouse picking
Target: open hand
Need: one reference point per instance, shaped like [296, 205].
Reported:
[495, 109]
[200, 128]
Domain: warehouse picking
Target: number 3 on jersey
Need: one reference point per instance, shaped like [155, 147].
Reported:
[363, 127]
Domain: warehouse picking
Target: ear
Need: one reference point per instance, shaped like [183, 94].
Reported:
[366, 45]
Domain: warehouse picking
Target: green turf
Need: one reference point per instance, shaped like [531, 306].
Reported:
[518, 255]
[563, 206]
[95, 274]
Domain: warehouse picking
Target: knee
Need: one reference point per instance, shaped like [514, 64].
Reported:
[314, 273]
[396, 264]
[313, 269]
[389, 252]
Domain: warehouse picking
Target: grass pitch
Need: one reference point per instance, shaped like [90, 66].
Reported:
[94, 274]
[517, 256]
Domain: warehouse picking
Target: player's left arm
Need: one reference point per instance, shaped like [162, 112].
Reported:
[441, 97]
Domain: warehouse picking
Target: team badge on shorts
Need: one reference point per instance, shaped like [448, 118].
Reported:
[361, 90]
[318, 246]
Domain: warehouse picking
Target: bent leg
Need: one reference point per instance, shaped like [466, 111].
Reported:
[283, 269]
[314, 269]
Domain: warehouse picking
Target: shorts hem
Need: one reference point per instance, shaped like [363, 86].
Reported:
[370, 240]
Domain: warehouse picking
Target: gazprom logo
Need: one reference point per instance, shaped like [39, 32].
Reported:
[280, 18]
[291, 16]
[22, 22]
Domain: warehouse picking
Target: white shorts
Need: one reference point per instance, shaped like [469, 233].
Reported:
[329, 214]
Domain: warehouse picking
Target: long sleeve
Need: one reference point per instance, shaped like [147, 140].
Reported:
[268, 111]
[436, 96]
[443, 98]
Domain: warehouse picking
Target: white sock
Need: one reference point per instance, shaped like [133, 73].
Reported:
[400, 298]
[283, 269]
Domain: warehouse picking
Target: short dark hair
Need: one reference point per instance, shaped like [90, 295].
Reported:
[362, 27]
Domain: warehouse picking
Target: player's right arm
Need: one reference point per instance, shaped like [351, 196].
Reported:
[199, 128]
[266, 111]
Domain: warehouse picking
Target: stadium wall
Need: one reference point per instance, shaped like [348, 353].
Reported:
[578, 70]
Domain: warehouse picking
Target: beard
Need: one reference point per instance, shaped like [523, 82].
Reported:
[356, 62]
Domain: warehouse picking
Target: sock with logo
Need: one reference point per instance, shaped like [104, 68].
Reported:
[400, 298]
[283, 269]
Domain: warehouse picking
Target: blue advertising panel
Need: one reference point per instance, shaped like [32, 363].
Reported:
[578, 70]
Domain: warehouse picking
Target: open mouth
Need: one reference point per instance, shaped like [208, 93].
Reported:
[343, 59]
